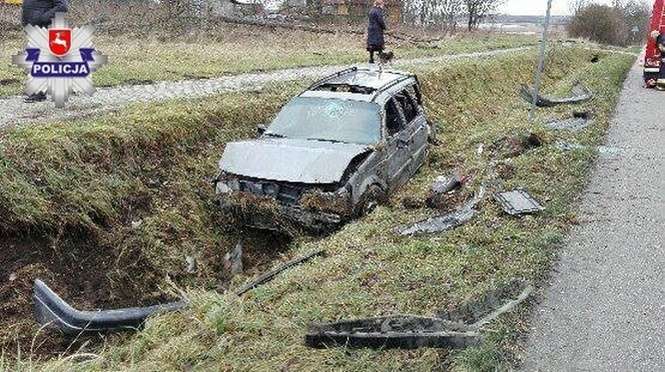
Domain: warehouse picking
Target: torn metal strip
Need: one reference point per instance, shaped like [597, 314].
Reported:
[444, 222]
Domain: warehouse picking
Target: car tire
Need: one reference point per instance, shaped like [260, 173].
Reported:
[372, 198]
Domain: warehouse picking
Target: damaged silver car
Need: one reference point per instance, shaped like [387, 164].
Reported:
[333, 153]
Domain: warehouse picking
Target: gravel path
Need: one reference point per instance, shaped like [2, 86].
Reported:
[605, 308]
[14, 111]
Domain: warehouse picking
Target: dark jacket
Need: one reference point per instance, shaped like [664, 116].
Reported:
[375, 29]
[40, 12]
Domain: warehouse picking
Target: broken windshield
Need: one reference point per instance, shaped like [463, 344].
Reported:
[325, 119]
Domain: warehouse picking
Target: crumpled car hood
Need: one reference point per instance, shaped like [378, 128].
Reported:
[290, 160]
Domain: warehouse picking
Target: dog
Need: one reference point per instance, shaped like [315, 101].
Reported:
[385, 58]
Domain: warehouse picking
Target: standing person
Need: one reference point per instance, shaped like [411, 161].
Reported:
[660, 45]
[40, 13]
[375, 30]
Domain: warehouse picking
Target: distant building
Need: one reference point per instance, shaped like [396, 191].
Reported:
[356, 10]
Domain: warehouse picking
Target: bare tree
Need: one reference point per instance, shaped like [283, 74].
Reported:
[443, 13]
[478, 10]
[576, 5]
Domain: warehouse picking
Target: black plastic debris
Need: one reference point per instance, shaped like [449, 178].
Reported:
[579, 93]
[582, 115]
[270, 275]
[444, 222]
[412, 332]
[393, 332]
[50, 310]
[517, 202]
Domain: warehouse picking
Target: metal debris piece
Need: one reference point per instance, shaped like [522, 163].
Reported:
[580, 93]
[606, 150]
[492, 304]
[439, 223]
[191, 264]
[517, 202]
[506, 307]
[444, 222]
[51, 310]
[443, 184]
[572, 124]
[567, 146]
[602, 150]
[233, 259]
[273, 273]
[392, 332]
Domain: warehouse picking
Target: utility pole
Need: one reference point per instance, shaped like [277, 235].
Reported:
[541, 61]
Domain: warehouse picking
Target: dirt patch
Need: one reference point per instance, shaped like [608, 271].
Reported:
[89, 275]
[448, 202]
[513, 146]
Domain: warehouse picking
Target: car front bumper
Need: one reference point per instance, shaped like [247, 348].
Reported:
[278, 217]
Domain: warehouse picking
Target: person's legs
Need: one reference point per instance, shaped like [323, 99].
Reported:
[660, 83]
[371, 56]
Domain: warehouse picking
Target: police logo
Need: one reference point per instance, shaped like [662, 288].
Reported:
[59, 60]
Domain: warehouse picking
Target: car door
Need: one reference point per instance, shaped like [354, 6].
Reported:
[416, 125]
[397, 145]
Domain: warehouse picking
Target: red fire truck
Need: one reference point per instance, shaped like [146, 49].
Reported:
[652, 56]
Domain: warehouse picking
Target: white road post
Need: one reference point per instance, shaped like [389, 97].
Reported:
[541, 61]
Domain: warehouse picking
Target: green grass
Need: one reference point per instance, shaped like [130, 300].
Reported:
[237, 49]
[368, 271]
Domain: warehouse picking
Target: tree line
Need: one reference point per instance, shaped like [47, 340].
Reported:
[622, 22]
[448, 14]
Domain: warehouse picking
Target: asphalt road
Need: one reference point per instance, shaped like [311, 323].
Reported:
[605, 308]
[14, 111]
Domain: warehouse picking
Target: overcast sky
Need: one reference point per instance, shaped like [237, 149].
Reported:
[538, 7]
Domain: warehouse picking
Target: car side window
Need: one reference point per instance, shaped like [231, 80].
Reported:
[408, 105]
[394, 121]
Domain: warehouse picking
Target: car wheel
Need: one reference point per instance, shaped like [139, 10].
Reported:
[370, 200]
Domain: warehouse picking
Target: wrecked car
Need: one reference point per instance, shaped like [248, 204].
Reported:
[332, 153]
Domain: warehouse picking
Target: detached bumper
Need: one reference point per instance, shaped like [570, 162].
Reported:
[51, 310]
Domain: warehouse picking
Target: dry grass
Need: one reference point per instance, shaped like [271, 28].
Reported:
[232, 49]
[368, 271]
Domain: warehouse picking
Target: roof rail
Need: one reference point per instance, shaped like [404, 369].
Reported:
[332, 76]
[390, 85]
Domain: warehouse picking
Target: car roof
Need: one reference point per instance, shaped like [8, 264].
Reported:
[368, 84]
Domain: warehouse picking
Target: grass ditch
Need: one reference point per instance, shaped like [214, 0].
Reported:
[108, 210]
[233, 49]
[97, 178]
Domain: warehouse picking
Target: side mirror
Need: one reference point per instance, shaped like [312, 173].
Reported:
[260, 129]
